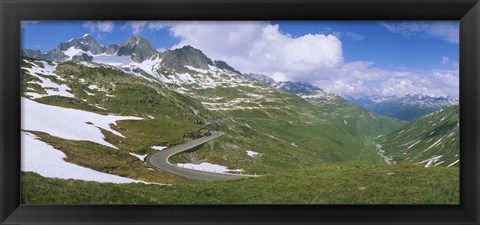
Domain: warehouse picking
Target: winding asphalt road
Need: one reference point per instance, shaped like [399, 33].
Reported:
[159, 161]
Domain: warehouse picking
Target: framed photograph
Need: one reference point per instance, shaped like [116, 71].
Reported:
[239, 112]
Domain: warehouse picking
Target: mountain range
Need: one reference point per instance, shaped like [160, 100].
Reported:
[138, 50]
[408, 107]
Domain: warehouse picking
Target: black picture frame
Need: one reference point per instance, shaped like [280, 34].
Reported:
[13, 11]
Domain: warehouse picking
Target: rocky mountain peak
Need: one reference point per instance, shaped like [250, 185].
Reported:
[177, 59]
[135, 41]
[86, 43]
[138, 47]
[223, 65]
[81, 48]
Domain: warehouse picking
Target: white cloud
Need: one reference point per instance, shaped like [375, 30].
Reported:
[136, 26]
[99, 26]
[354, 36]
[448, 31]
[445, 30]
[261, 47]
[448, 62]
[406, 28]
[157, 25]
[363, 79]
[447, 79]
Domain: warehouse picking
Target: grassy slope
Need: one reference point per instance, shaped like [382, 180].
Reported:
[341, 183]
[288, 131]
[436, 134]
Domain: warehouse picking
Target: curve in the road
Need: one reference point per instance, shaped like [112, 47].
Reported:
[159, 161]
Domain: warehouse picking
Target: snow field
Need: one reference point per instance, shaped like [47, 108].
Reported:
[141, 157]
[69, 124]
[208, 167]
[47, 84]
[41, 158]
[159, 148]
[252, 153]
[72, 51]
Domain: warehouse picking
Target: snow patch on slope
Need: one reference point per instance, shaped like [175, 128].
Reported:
[72, 51]
[432, 160]
[69, 124]
[41, 158]
[141, 157]
[252, 153]
[159, 148]
[47, 84]
[208, 167]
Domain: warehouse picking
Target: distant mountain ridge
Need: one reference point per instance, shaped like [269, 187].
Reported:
[406, 107]
[138, 48]
[80, 49]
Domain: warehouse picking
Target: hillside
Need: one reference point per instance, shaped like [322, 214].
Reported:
[432, 140]
[358, 119]
[355, 117]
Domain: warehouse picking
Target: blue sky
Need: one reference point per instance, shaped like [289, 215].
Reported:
[415, 51]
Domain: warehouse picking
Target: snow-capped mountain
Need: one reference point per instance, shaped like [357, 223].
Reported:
[186, 70]
[137, 47]
[406, 107]
[134, 55]
[299, 88]
[86, 48]
[260, 77]
[77, 49]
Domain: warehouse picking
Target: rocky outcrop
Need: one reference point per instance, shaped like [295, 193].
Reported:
[137, 47]
[196, 135]
[186, 56]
